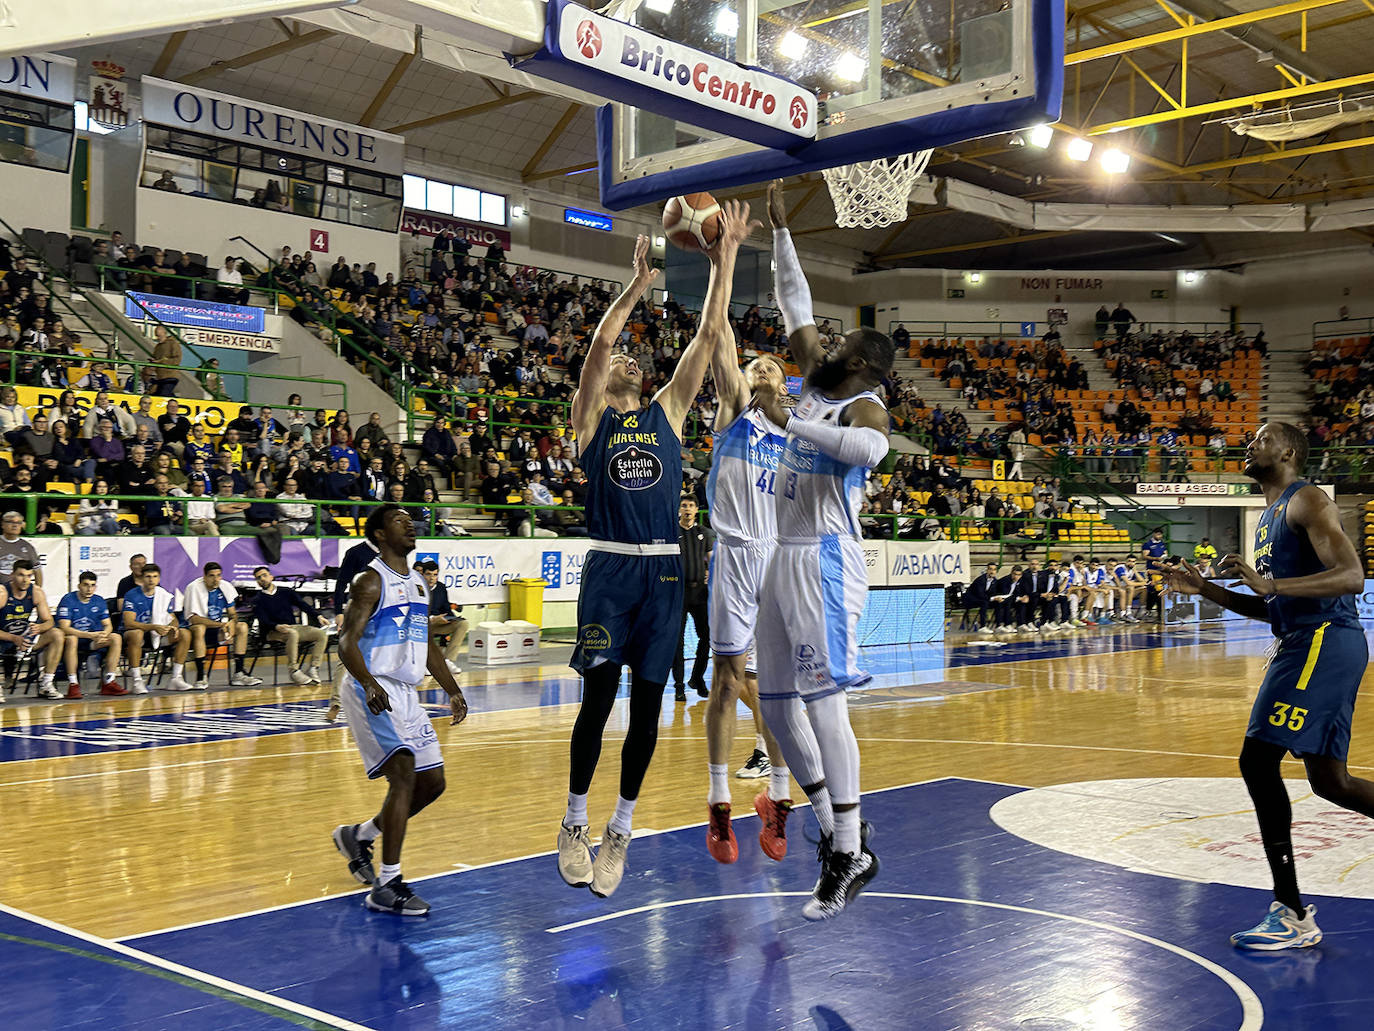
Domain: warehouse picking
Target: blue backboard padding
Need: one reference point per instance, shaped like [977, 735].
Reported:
[937, 129]
[550, 63]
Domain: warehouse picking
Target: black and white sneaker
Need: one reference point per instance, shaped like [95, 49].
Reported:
[756, 768]
[356, 851]
[843, 876]
[396, 897]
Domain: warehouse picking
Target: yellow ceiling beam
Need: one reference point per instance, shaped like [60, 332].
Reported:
[543, 149]
[465, 112]
[285, 46]
[1253, 100]
[1282, 155]
[1188, 31]
[1153, 85]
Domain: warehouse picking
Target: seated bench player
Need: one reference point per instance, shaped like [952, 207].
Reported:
[149, 616]
[84, 619]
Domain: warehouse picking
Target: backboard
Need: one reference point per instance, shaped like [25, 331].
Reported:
[889, 77]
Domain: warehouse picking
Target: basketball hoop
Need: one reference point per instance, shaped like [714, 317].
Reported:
[871, 194]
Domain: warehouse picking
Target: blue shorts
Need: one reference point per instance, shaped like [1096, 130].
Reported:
[628, 612]
[1307, 701]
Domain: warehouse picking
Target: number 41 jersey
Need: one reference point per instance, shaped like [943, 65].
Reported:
[741, 484]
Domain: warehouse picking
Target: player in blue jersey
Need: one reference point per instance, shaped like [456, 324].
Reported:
[386, 647]
[210, 611]
[84, 618]
[1304, 582]
[26, 626]
[149, 617]
[631, 594]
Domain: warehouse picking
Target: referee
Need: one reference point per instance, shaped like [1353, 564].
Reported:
[696, 542]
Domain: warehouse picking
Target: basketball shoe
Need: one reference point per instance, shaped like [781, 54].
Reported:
[773, 833]
[609, 866]
[575, 856]
[357, 851]
[396, 897]
[1281, 928]
[720, 836]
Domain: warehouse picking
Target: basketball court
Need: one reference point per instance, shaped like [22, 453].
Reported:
[1064, 845]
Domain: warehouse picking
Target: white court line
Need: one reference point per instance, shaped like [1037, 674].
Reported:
[189, 972]
[1252, 1011]
[502, 862]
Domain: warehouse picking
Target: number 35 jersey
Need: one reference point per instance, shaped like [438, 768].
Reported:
[743, 476]
[819, 495]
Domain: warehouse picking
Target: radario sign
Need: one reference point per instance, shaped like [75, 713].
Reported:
[603, 55]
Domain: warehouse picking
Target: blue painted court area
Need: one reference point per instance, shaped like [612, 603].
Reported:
[966, 927]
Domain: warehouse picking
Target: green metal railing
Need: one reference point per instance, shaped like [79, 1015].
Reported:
[612, 286]
[324, 510]
[13, 359]
[1339, 329]
[995, 330]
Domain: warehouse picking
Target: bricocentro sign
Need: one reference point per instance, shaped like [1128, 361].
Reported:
[637, 67]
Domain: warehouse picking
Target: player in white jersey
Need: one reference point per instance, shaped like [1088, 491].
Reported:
[814, 592]
[745, 451]
[386, 647]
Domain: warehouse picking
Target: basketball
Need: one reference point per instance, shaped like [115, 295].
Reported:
[692, 222]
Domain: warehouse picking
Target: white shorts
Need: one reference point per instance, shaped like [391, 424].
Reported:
[737, 572]
[406, 727]
[813, 596]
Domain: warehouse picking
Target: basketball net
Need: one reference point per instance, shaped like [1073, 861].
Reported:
[871, 194]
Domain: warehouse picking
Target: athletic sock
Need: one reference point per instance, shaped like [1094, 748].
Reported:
[1280, 856]
[820, 805]
[576, 816]
[367, 831]
[779, 784]
[624, 813]
[47, 679]
[238, 663]
[178, 668]
[388, 873]
[847, 831]
[720, 783]
[200, 668]
[759, 746]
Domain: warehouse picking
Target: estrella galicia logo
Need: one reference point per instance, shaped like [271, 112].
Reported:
[805, 653]
[633, 469]
[84, 552]
[427, 556]
[551, 568]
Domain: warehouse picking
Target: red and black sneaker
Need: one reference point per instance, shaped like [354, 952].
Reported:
[73, 690]
[112, 687]
[720, 836]
[773, 833]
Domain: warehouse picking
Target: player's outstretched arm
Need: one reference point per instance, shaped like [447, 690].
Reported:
[791, 289]
[363, 597]
[677, 397]
[443, 676]
[1188, 579]
[1313, 511]
[732, 391]
[863, 440]
[588, 399]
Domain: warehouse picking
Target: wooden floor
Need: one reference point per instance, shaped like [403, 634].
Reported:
[124, 842]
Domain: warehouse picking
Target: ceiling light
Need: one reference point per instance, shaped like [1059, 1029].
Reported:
[792, 46]
[850, 66]
[659, 6]
[1016, 140]
[727, 22]
[1079, 149]
[1040, 136]
[1190, 277]
[975, 277]
[1114, 161]
[516, 211]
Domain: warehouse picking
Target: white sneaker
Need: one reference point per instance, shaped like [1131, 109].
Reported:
[138, 686]
[180, 684]
[314, 674]
[575, 855]
[244, 680]
[201, 685]
[1006, 630]
[300, 677]
[1076, 623]
[48, 691]
[609, 866]
[453, 668]
[984, 630]
[1027, 628]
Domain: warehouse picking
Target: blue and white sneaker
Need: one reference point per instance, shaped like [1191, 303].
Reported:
[1281, 929]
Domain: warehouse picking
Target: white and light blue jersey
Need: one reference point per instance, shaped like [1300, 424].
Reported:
[396, 640]
[1097, 577]
[741, 486]
[818, 495]
[152, 609]
[88, 616]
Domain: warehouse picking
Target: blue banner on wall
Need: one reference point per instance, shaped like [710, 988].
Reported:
[182, 311]
[587, 219]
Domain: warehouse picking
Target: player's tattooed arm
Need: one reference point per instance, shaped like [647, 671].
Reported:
[363, 597]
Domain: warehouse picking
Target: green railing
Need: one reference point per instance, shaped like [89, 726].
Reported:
[324, 510]
[12, 376]
[612, 286]
[1339, 329]
[114, 278]
[497, 404]
[996, 330]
